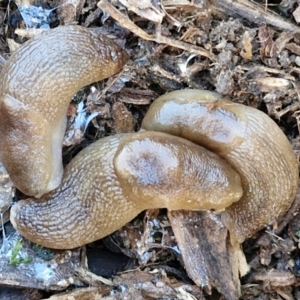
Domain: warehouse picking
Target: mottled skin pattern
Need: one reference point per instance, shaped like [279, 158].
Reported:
[248, 140]
[37, 84]
[110, 182]
[88, 202]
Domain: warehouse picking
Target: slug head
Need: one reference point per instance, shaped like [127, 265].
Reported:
[25, 146]
[199, 116]
[159, 170]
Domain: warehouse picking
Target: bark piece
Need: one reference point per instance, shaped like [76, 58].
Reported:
[208, 257]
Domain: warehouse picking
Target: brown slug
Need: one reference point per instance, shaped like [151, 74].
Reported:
[248, 171]
[37, 84]
[111, 181]
[248, 140]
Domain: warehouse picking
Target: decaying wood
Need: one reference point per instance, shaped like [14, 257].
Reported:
[204, 246]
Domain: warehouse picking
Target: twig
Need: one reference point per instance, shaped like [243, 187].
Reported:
[253, 12]
[127, 23]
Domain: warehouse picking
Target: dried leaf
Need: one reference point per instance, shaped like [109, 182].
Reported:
[144, 9]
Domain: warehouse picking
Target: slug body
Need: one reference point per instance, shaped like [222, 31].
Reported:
[248, 140]
[37, 84]
[110, 182]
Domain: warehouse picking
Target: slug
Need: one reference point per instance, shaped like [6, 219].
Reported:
[248, 140]
[37, 84]
[242, 166]
[110, 182]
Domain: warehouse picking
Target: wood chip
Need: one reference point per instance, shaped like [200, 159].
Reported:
[137, 97]
[293, 48]
[208, 259]
[269, 84]
[276, 278]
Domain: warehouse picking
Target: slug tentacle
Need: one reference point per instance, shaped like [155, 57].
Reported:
[44, 74]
